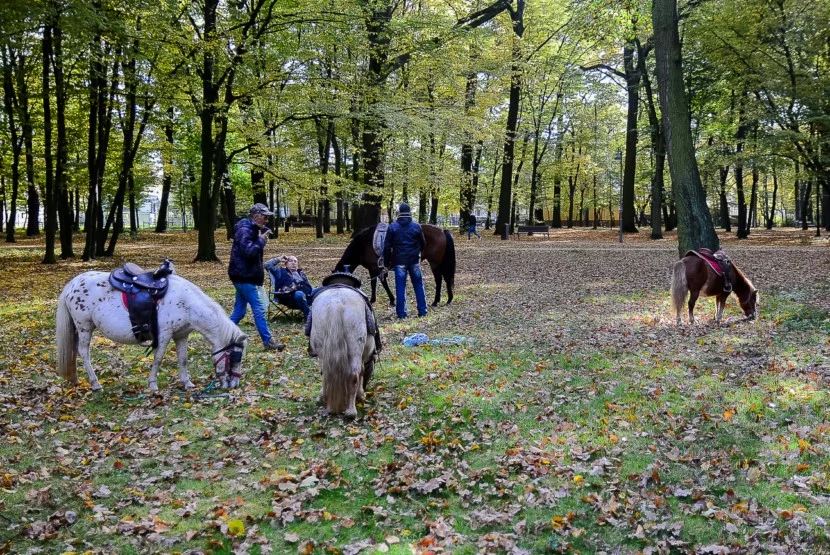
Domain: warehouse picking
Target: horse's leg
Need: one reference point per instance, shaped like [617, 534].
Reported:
[368, 370]
[181, 355]
[388, 291]
[84, 337]
[693, 295]
[720, 304]
[154, 370]
[374, 280]
[436, 274]
[351, 392]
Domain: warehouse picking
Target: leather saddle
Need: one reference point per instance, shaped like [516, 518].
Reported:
[141, 291]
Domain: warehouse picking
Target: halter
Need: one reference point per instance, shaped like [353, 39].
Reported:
[231, 356]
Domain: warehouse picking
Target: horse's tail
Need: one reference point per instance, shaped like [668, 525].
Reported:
[679, 287]
[66, 335]
[447, 265]
[336, 337]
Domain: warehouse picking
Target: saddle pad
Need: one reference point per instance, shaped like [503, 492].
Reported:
[379, 238]
[713, 262]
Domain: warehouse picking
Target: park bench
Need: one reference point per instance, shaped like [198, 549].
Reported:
[531, 229]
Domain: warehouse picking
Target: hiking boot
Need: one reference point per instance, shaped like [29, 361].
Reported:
[272, 346]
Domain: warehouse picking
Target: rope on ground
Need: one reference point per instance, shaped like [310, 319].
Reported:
[205, 393]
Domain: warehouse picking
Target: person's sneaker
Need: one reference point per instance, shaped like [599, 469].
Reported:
[273, 346]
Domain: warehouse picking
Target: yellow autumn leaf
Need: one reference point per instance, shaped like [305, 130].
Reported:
[235, 527]
[578, 479]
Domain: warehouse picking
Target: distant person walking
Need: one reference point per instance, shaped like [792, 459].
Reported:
[246, 271]
[402, 251]
[471, 230]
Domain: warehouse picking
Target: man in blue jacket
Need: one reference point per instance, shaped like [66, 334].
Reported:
[246, 273]
[402, 250]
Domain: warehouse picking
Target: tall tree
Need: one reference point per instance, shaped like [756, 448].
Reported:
[694, 229]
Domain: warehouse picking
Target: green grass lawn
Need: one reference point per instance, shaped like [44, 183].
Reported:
[575, 418]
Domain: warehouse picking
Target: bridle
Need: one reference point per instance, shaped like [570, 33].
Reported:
[231, 357]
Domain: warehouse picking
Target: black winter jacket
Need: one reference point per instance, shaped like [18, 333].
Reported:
[245, 265]
[404, 242]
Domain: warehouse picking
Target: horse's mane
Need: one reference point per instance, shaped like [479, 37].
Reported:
[742, 277]
[353, 249]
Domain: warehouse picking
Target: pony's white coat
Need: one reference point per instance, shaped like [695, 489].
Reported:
[343, 346]
[88, 302]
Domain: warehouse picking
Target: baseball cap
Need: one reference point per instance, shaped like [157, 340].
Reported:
[260, 208]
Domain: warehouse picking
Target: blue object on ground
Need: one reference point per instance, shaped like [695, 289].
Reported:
[415, 339]
[420, 338]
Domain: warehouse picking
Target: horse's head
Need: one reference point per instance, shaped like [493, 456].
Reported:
[750, 304]
[227, 362]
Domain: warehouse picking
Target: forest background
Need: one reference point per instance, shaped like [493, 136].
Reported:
[332, 113]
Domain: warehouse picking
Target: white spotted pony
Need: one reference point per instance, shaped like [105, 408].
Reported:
[88, 302]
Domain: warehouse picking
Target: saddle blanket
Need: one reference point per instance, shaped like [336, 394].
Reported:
[715, 260]
[378, 240]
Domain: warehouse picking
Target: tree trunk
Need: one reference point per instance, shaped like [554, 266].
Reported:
[695, 229]
[32, 194]
[466, 191]
[206, 251]
[632, 78]
[10, 104]
[557, 177]
[753, 202]
[743, 223]
[51, 208]
[505, 192]
[338, 171]
[658, 144]
[167, 182]
[61, 185]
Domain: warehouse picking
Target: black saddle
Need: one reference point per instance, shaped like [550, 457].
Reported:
[143, 290]
[131, 277]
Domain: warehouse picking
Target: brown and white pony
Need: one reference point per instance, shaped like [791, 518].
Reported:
[341, 341]
[693, 276]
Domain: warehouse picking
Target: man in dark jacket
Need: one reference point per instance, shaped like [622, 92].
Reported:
[471, 227]
[402, 250]
[246, 273]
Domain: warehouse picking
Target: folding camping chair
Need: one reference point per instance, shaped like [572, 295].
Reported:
[276, 306]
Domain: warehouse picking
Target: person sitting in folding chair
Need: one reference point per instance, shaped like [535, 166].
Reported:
[291, 285]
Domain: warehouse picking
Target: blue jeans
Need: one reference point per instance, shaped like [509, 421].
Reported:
[414, 272]
[247, 294]
[297, 300]
[472, 231]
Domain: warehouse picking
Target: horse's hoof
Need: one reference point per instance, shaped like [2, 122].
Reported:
[233, 384]
[153, 386]
[350, 414]
[188, 385]
[434, 304]
[96, 387]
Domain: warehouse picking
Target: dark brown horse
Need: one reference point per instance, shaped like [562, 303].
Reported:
[692, 275]
[439, 251]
